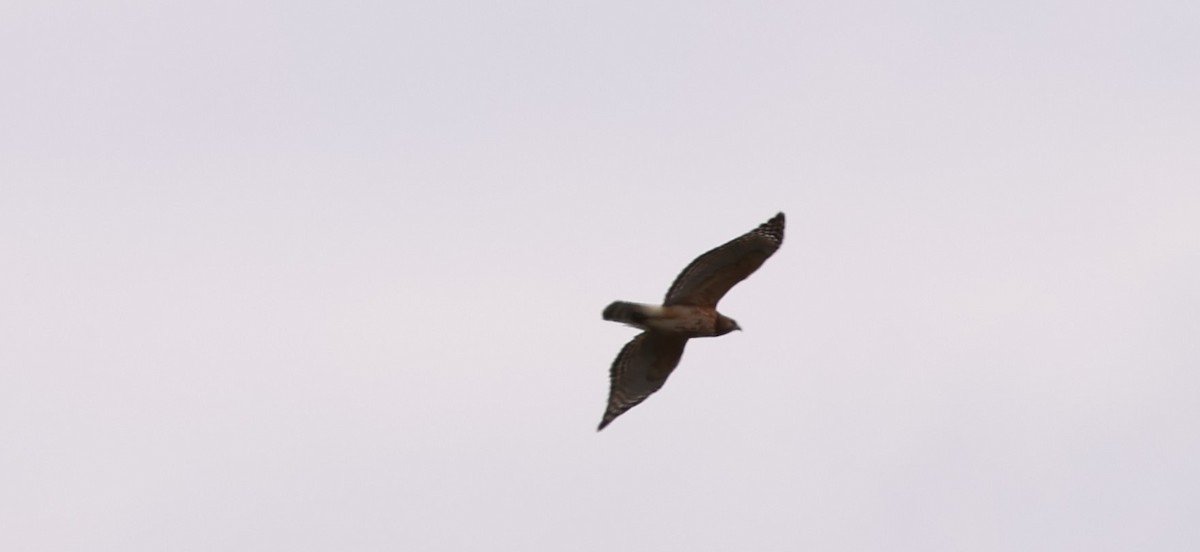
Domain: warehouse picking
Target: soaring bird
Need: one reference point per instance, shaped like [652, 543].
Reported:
[689, 310]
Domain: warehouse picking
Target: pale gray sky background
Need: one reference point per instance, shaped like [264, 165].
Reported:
[314, 276]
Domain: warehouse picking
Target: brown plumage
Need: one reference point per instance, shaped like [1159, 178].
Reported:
[689, 310]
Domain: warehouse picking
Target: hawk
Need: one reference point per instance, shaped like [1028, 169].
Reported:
[689, 310]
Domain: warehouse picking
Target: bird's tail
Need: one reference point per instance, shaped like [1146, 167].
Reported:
[628, 313]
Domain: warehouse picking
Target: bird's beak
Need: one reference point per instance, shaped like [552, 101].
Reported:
[737, 327]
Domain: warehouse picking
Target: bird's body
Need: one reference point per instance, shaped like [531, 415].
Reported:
[684, 320]
[689, 310]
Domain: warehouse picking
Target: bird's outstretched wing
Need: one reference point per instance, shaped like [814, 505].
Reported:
[640, 369]
[704, 282]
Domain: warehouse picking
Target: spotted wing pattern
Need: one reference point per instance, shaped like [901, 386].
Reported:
[704, 282]
[640, 369]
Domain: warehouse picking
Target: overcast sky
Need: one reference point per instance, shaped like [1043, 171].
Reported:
[316, 276]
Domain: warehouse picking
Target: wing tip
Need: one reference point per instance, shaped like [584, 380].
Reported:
[604, 422]
[773, 228]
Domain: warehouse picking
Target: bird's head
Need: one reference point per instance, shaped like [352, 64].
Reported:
[726, 324]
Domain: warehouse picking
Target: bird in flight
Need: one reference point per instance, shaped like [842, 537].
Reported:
[689, 310]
